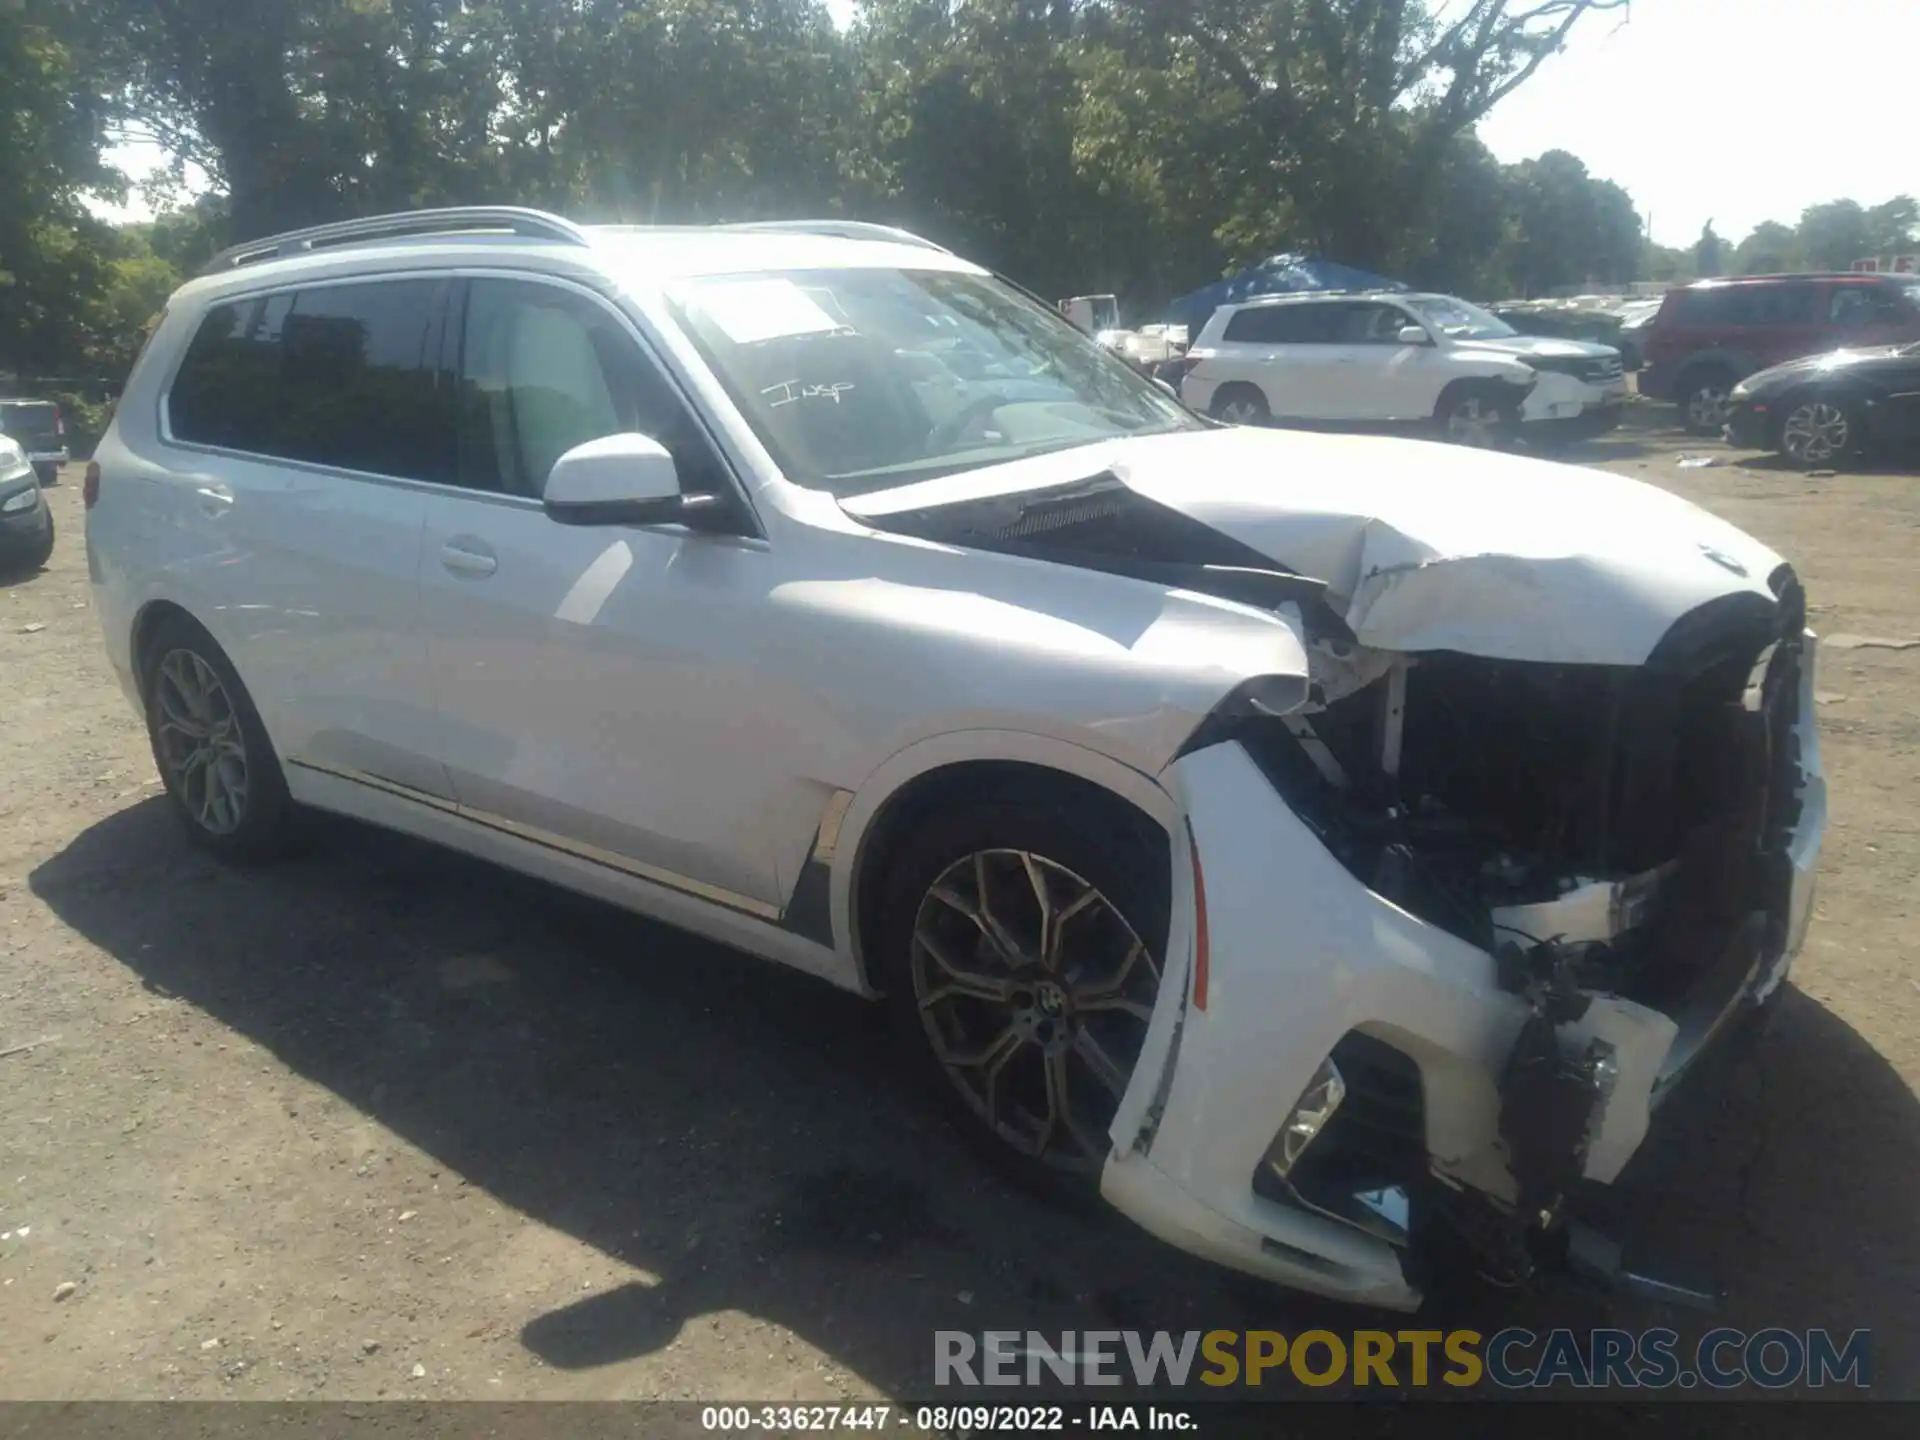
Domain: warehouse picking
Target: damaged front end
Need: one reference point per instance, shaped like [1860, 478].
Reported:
[1543, 826]
[1607, 834]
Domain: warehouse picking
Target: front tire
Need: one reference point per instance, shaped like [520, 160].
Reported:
[1705, 400]
[1817, 431]
[1021, 953]
[1478, 418]
[223, 781]
[38, 557]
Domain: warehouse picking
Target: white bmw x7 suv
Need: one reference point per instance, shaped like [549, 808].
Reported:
[1329, 849]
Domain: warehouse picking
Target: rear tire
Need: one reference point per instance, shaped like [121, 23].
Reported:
[1240, 404]
[49, 475]
[1025, 1017]
[223, 781]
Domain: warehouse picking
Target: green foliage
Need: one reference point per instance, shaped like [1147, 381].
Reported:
[1709, 253]
[1140, 147]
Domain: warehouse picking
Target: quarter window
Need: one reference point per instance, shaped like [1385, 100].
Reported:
[338, 375]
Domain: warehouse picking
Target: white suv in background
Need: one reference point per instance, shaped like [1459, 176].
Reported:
[1216, 809]
[1390, 358]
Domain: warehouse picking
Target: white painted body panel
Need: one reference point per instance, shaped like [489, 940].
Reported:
[1300, 954]
[667, 720]
[1384, 383]
[1426, 546]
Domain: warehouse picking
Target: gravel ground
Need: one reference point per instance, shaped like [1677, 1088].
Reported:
[384, 1122]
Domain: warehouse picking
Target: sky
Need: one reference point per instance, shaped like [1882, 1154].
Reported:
[1734, 111]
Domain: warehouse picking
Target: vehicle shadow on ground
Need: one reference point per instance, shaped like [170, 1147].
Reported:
[11, 576]
[1873, 465]
[740, 1133]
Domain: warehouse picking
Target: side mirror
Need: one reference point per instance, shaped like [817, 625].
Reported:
[1166, 385]
[1414, 335]
[626, 479]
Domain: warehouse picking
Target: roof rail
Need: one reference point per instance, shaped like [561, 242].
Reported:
[454, 220]
[845, 229]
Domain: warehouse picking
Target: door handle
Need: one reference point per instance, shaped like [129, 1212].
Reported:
[468, 557]
[215, 499]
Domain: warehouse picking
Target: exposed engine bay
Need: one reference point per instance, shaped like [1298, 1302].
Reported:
[1598, 829]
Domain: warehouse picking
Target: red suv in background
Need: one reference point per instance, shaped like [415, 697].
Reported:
[1712, 334]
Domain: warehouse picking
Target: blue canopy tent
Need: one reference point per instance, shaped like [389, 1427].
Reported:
[1277, 275]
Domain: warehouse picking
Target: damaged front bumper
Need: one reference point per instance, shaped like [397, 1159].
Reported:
[1477, 1083]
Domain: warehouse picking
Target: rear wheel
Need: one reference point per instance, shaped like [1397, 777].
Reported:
[1241, 405]
[1816, 431]
[1021, 954]
[1705, 397]
[49, 474]
[222, 778]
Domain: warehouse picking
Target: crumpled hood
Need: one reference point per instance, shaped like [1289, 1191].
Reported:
[1423, 546]
[1543, 345]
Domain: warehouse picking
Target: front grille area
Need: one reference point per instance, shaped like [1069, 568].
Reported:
[1593, 370]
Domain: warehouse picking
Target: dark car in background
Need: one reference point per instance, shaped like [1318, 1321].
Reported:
[26, 525]
[1824, 409]
[39, 429]
[1712, 334]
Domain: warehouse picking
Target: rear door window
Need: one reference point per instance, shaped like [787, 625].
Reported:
[26, 420]
[1730, 305]
[347, 376]
[1284, 325]
[1794, 304]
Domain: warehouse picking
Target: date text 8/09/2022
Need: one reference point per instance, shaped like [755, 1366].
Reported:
[944, 1419]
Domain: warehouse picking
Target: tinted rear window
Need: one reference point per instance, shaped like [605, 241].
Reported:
[340, 375]
[27, 417]
[1788, 304]
[1283, 325]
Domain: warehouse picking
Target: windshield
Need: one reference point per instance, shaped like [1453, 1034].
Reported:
[861, 380]
[1460, 320]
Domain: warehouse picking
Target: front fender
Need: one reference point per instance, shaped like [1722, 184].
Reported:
[938, 752]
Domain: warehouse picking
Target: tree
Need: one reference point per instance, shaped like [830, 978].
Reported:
[1567, 228]
[1893, 228]
[1345, 108]
[1834, 235]
[1709, 253]
[52, 252]
[1769, 250]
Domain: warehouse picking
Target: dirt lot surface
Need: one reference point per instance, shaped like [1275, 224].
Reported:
[382, 1121]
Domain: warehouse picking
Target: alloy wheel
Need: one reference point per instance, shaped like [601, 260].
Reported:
[1035, 993]
[1240, 412]
[1815, 432]
[197, 732]
[1474, 422]
[1707, 407]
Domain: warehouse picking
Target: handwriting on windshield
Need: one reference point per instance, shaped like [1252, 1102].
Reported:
[790, 391]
